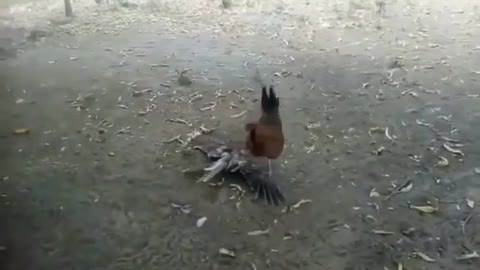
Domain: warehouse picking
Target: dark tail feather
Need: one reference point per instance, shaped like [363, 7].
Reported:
[270, 102]
[263, 187]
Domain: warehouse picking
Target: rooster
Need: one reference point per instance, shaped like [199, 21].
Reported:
[265, 137]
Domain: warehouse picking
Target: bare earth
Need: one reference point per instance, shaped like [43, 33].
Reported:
[380, 110]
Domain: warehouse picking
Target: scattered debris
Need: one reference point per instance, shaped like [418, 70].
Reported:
[382, 232]
[406, 187]
[309, 149]
[470, 203]
[209, 107]
[259, 232]
[238, 188]
[446, 118]
[206, 130]
[296, 205]
[179, 121]
[455, 151]
[21, 131]
[314, 125]
[427, 209]
[450, 140]
[387, 134]
[423, 256]
[374, 193]
[159, 65]
[139, 93]
[379, 151]
[186, 209]
[142, 113]
[194, 97]
[373, 130]
[442, 162]
[193, 135]
[201, 221]
[473, 255]
[226, 252]
[175, 139]
[423, 123]
[299, 203]
[238, 114]
[282, 74]
[126, 130]
[380, 130]
[410, 92]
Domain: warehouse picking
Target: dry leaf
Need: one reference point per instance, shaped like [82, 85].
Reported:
[374, 193]
[21, 131]
[442, 162]
[413, 94]
[201, 221]
[373, 130]
[296, 206]
[314, 125]
[186, 209]
[382, 232]
[424, 257]
[428, 209]
[387, 134]
[470, 203]
[423, 123]
[406, 187]
[302, 201]
[179, 121]
[453, 150]
[473, 255]
[175, 139]
[309, 149]
[380, 150]
[259, 232]
[238, 114]
[226, 252]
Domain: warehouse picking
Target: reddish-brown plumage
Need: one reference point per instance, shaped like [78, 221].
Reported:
[265, 137]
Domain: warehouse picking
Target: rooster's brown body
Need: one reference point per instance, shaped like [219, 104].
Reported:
[265, 137]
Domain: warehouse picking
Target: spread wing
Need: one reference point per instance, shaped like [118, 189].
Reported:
[259, 181]
[256, 178]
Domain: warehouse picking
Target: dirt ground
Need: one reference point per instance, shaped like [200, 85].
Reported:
[378, 100]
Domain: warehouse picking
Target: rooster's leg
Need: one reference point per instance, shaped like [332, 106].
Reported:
[269, 168]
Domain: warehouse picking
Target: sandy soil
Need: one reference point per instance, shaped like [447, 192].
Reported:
[379, 104]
